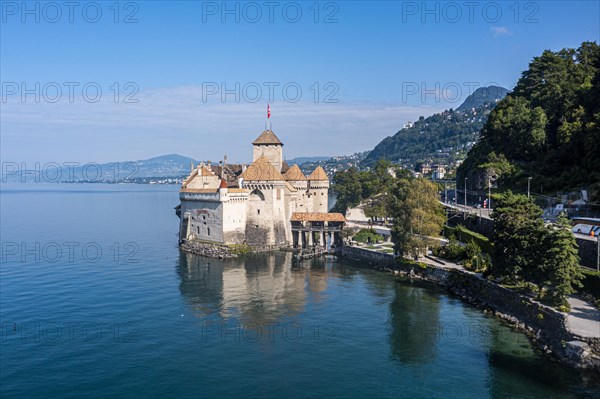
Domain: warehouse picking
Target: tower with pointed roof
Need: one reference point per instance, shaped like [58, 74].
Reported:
[269, 146]
[318, 191]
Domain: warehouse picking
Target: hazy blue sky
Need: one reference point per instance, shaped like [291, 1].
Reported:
[363, 68]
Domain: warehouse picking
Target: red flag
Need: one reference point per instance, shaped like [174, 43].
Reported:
[268, 110]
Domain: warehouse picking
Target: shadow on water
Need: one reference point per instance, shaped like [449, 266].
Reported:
[414, 317]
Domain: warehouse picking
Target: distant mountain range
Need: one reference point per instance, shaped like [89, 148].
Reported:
[169, 168]
[301, 160]
[442, 137]
[439, 135]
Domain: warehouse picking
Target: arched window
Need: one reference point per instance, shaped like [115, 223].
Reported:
[257, 195]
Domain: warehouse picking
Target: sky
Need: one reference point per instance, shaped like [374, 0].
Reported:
[113, 81]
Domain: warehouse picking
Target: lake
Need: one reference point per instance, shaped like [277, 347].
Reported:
[97, 300]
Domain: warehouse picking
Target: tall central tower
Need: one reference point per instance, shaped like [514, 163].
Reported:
[269, 146]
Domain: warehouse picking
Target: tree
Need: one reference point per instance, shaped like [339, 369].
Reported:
[418, 215]
[562, 261]
[347, 186]
[518, 231]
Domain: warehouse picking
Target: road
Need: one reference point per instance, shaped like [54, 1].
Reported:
[483, 212]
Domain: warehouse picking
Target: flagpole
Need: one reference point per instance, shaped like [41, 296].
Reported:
[268, 124]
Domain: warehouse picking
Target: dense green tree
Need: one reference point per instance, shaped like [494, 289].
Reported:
[418, 215]
[353, 186]
[526, 250]
[518, 230]
[347, 186]
[562, 261]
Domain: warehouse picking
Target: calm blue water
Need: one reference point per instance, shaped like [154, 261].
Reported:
[96, 300]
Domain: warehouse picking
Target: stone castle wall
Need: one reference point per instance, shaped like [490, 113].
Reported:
[205, 219]
[234, 218]
[266, 215]
[273, 152]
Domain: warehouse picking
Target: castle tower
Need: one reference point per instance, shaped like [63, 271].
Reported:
[318, 190]
[269, 146]
[266, 212]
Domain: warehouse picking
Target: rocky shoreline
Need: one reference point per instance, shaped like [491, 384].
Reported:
[208, 250]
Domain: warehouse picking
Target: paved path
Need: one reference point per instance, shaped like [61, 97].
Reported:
[584, 318]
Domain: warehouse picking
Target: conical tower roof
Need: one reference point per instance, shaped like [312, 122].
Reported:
[267, 137]
[318, 174]
[294, 173]
[262, 169]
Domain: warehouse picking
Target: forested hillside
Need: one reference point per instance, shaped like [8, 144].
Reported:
[440, 135]
[548, 128]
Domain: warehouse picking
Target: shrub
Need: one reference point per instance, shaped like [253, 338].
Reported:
[409, 263]
[475, 259]
[465, 235]
[240, 249]
[367, 235]
[452, 251]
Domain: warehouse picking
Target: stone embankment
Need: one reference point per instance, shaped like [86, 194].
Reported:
[208, 249]
[547, 327]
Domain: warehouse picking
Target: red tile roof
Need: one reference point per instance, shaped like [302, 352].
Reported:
[318, 174]
[294, 173]
[263, 170]
[317, 217]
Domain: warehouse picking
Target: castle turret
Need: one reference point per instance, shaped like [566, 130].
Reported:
[269, 146]
[318, 190]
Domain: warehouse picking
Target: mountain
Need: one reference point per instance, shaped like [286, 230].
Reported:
[164, 166]
[169, 168]
[334, 164]
[482, 96]
[547, 130]
[301, 160]
[443, 137]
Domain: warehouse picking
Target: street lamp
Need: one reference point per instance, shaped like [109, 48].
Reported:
[528, 185]
[489, 194]
[466, 178]
[598, 254]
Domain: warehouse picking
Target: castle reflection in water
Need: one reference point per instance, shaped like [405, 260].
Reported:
[259, 288]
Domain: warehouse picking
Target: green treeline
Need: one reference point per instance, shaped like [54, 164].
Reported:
[547, 128]
[390, 192]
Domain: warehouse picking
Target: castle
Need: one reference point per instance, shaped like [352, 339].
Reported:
[266, 204]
